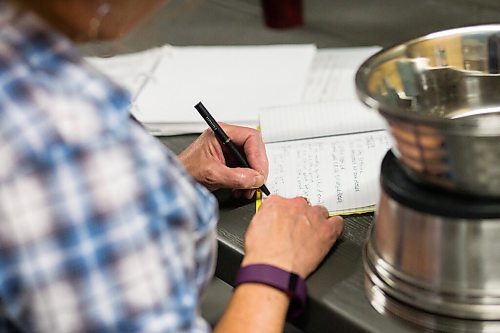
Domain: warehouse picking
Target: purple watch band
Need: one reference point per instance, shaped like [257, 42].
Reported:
[290, 283]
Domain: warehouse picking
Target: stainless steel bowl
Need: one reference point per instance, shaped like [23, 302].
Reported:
[440, 95]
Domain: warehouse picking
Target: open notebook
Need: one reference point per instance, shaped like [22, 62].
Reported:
[327, 152]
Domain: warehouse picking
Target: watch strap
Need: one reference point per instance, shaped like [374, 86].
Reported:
[288, 282]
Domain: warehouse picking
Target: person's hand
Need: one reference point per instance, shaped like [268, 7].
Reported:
[209, 164]
[291, 234]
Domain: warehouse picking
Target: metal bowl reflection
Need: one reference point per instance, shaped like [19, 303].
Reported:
[440, 95]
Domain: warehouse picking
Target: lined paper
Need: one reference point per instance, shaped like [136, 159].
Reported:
[339, 172]
[301, 121]
[329, 147]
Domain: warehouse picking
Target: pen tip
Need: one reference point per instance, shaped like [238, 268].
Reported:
[265, 190]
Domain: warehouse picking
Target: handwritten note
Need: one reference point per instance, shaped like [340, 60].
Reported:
[340, 172]
[329, 146]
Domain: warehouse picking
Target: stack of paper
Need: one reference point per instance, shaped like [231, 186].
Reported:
[233, 82]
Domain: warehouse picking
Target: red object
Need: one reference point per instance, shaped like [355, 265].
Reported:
[283, 13]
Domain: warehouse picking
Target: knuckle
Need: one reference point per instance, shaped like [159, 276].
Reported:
[209, 176]
[303, 201]
[254, 132]
[319, 213]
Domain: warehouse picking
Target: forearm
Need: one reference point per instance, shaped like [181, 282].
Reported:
[254, 308]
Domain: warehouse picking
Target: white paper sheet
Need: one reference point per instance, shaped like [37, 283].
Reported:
[332, 74]
[233, 82]
[306, 120]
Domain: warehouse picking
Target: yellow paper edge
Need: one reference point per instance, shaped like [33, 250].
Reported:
[361, 210]
[258, 200]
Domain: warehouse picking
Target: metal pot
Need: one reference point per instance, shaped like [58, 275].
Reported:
[435, 252]
[440, 95]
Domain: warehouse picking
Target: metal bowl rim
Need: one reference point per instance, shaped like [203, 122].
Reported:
[391, 110]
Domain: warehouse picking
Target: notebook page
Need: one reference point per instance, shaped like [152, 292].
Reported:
[234, 82]
[318, 119]
[333, 72]
[339, 172]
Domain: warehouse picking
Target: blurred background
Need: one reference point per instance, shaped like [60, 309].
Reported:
[327, 23]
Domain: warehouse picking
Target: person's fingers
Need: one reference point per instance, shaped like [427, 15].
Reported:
[253, 146]
[301, 202]
[236, 178]
[255, 152]
[336, 223]
[249, 193]
[238, 134]
[317, 214]
[306, 199]
[324, 213]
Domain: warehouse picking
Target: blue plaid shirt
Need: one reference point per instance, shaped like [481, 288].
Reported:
[101, 228]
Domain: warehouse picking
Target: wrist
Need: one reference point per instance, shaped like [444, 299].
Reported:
[285, 281]
[281, 261]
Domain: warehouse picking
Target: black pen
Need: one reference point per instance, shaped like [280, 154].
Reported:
[224, 139]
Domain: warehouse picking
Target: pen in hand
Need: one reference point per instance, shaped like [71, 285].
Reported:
[225, 140]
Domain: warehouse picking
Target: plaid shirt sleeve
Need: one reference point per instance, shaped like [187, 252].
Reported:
[101, 229]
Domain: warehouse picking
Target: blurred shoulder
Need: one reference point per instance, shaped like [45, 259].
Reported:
[49, 96]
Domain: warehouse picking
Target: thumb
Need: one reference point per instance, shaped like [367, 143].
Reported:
[240, 178]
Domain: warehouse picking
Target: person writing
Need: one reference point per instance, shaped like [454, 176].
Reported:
[102, 228]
